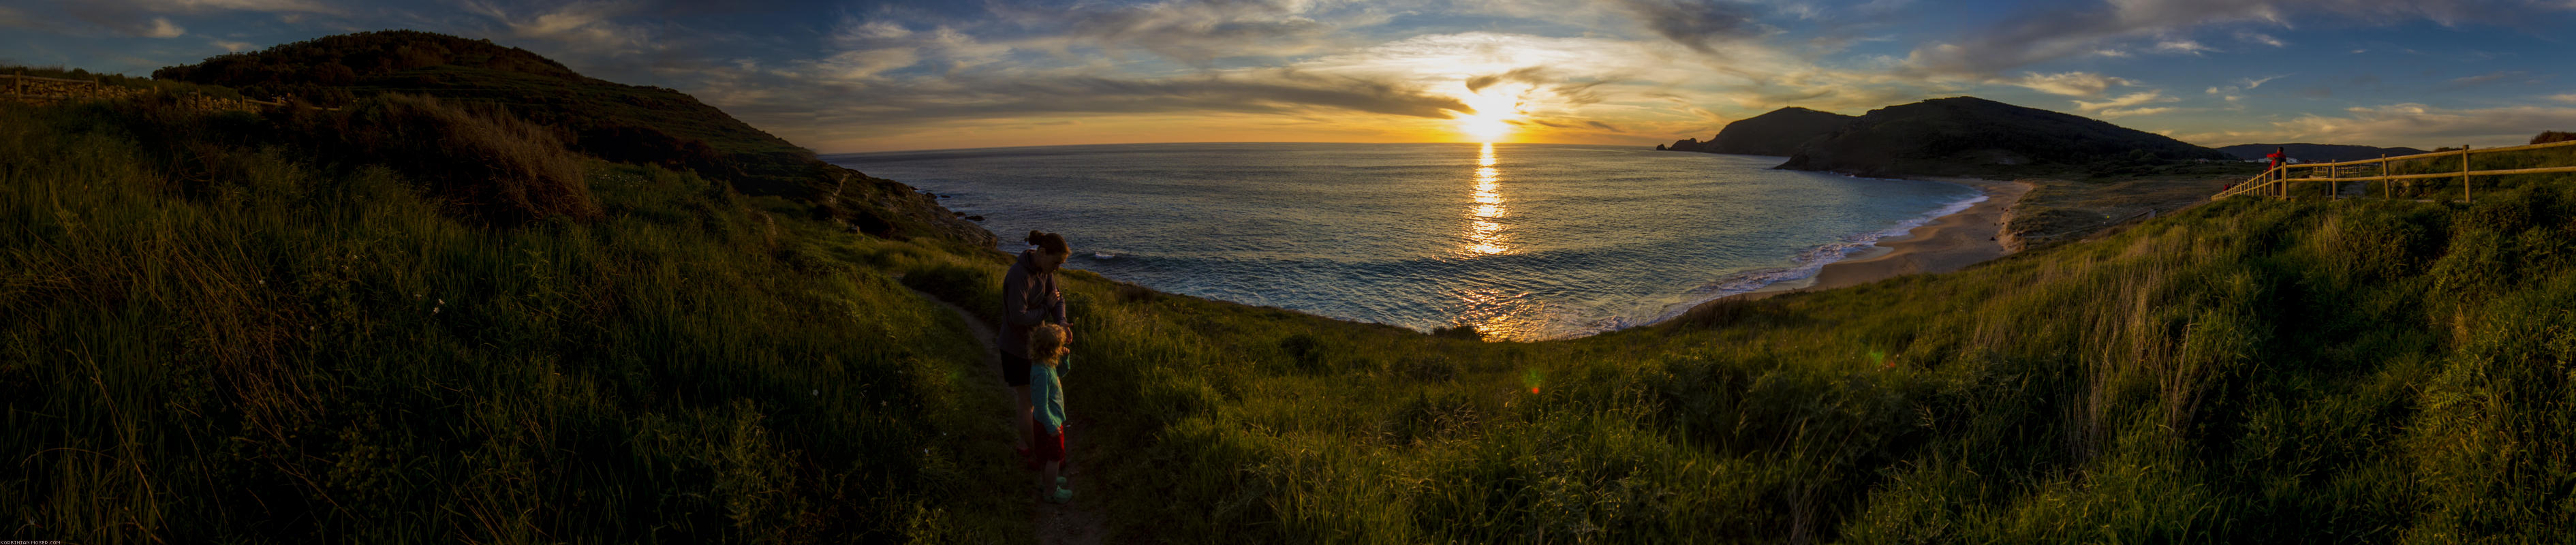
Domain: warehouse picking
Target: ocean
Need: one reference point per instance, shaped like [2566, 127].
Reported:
[1523, 241]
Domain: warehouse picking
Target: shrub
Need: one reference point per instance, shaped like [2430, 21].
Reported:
[2553, 136]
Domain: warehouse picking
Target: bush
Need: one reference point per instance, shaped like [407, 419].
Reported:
[2553, 136]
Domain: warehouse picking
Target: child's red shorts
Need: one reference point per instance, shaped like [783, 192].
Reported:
[1049, 446]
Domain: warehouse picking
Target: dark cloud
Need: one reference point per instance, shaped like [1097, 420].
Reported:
[1193, 31]
[1534, 75]
[1540, 78]
[2509, 76]
[1696, 24]
[837, 110]
[2061, 31]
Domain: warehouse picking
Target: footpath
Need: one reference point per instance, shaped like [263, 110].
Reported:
[1076, 523]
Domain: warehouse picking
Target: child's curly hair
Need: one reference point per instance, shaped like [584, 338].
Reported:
[1046, 343]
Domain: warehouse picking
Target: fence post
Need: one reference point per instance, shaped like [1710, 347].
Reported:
[2464, 174]
[2384, 189]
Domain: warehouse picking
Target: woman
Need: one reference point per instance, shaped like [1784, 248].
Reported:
[1029, 298]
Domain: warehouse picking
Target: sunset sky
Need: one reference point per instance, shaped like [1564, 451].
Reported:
[869, 76]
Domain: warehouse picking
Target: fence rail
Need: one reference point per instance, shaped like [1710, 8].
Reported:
[17, 87]
[2278, 182]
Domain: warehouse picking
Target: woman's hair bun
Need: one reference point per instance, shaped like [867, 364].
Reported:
[1053, 243]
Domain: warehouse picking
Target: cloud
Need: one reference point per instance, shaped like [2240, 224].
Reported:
[161, 28]
[274, 6]
[2124, 101]
[2568, 98]
[151, 18]
[2063, 31]
[2080, 84]
[2490, 77]
[2410, 124]
[232, 47]
[918, 103]
[2182, 47]
[2119, 113]
[590, 27]
[1199, 32]
[2260, 38]
[1696, 24]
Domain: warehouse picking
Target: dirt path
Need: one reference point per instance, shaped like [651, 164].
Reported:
[1078, 522]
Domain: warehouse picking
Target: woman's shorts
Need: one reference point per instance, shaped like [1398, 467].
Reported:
[1015, 370]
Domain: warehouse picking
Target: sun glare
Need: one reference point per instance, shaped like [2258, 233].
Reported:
[1492, 121]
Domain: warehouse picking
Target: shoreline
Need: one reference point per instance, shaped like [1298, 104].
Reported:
[1947, 243]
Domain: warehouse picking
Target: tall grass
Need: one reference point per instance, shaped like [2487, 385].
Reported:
[2251, 370]
[262, 345]
[256, 343]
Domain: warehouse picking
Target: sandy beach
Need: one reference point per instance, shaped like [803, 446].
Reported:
[1946, 244]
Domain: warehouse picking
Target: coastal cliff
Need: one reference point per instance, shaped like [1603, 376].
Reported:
[1778, 132]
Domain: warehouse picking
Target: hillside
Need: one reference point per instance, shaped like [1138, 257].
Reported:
[1973, 136]
[623, 123]
[2316, 152]
[1779, 132]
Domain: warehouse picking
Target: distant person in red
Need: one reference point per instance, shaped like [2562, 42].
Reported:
[2277, 156]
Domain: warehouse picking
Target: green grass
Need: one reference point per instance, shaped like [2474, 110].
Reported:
[2252, 370]
[286, 347]
[294, 348]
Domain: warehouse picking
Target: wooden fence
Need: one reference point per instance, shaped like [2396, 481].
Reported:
[2291, 180]
[58, 89]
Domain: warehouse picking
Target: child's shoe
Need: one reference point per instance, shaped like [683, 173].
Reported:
[1061, 495]
[1059, 482]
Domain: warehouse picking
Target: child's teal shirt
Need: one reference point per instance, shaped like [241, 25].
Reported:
[1046, 390]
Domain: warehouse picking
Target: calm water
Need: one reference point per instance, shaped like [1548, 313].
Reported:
[1524, 240]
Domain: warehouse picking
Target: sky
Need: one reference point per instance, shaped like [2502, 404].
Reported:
[880, 75]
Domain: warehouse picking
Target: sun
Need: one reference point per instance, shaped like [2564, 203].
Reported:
[1492, 121]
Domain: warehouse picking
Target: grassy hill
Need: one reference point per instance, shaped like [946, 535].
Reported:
[214, 333]
[1962, 136]
[617, 122]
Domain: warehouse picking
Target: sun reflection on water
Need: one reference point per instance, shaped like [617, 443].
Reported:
[1495, 312]
[1485, 234]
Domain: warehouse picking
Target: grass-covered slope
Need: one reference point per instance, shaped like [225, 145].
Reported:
[614, 121]
[2248, 371]
[213, 338]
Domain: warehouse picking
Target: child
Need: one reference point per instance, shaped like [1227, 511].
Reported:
[1046, 391]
